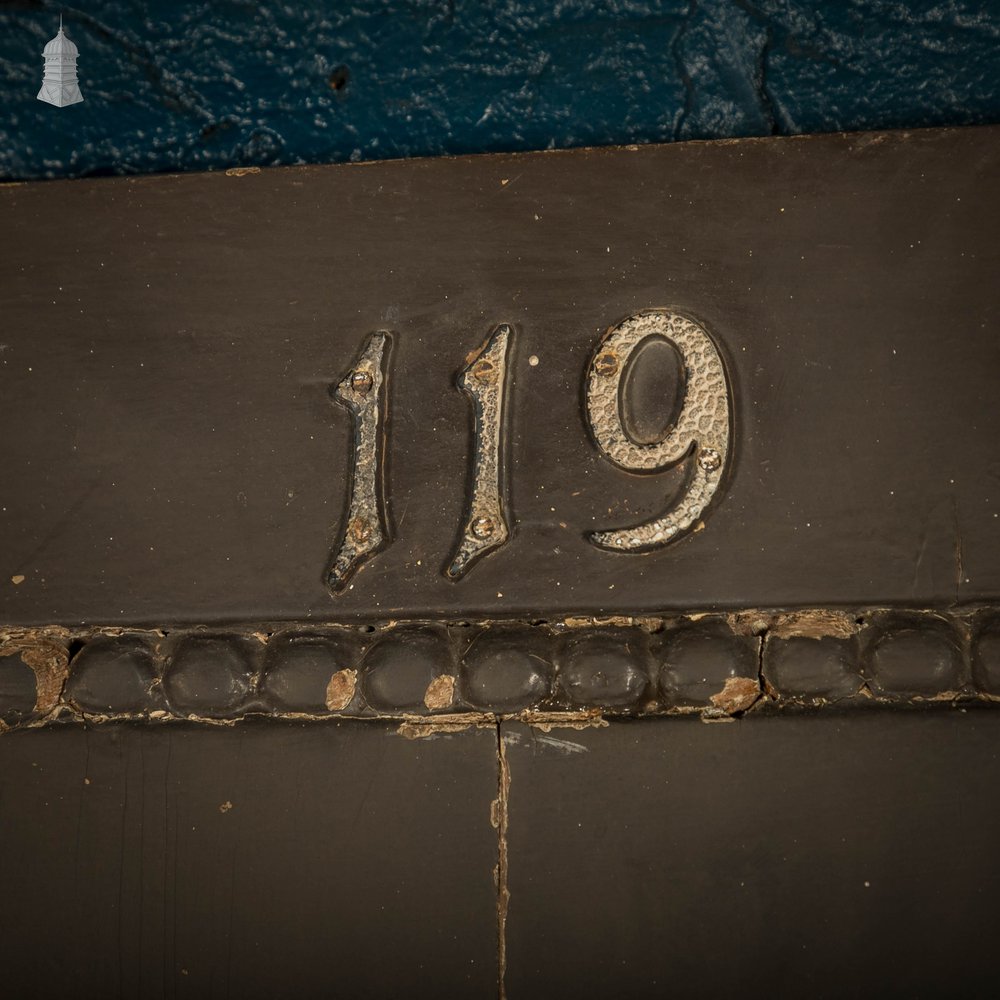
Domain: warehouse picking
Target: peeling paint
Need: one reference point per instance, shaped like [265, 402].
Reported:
[418, 727]
[814, 625]
[737, 694]
[49, 661]
[340, 689]
[547, 721]
[440, 693]
[747, 622]
[947, 696]
[647, 622]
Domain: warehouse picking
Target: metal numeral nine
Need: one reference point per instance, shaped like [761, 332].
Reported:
[702, 427]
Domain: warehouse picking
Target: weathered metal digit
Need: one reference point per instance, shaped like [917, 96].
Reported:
[484, 527]
[702, 429]
[363, 391]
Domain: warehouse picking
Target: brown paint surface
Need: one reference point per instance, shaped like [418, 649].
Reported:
[190, 327]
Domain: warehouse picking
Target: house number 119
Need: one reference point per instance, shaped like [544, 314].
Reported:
[700, 435]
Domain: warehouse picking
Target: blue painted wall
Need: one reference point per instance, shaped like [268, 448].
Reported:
[199, 85]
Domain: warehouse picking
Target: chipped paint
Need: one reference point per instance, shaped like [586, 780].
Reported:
[748, 622]
[647, 622]
[49, 661]
[737, 694]
[440, 693]
[340, 690]
[547, 721]
[814, 624]
[419, 727]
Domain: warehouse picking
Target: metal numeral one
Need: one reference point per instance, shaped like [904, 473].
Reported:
[702, 429]
[363, 391]
[484, 380]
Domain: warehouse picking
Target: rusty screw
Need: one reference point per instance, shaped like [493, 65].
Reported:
[484, 371]
[606, 364]
[360, 529]
[483, 527]
[710, 460]
[362, 381]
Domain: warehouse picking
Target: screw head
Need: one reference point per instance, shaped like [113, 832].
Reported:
[606, 364]
[483, 527]
[360, 530]
[710, 460]
[362, 381]
[484, 371]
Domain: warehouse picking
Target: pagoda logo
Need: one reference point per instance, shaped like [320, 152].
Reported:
[59, 84]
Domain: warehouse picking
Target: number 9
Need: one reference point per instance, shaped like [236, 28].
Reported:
[702, 429]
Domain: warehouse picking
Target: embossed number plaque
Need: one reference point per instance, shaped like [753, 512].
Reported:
[701, 433]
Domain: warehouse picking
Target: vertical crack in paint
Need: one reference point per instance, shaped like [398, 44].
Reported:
[499, 819]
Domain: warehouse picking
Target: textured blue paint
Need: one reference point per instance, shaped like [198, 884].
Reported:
[197, 85]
